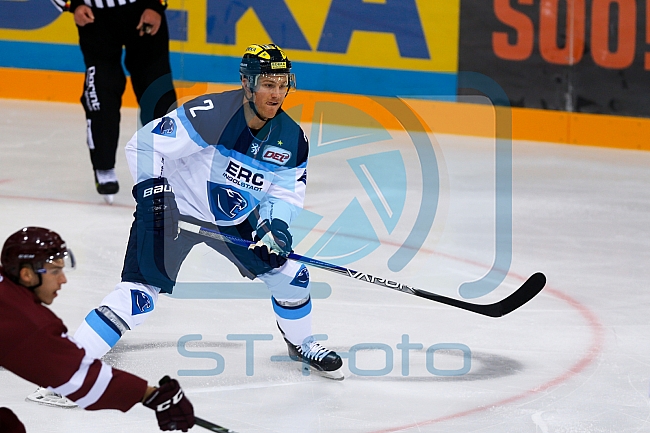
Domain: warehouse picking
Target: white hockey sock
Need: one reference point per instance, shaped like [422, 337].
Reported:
[296, 331]
[289, 286]
[95, 336]
[295, 322]
[105, 176]
[124, 308]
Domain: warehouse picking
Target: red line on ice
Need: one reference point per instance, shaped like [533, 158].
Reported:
[57, 200]
[578, 367]
[588, 358]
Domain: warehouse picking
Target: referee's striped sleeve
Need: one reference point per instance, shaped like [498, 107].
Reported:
[61, 5]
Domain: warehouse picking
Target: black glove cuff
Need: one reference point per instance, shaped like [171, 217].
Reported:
[278, 224]
[280, 230]
[150, 189]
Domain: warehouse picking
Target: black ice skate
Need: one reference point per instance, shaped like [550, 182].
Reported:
[320, 360]
[106, 184]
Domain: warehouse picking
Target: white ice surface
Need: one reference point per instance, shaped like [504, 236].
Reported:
[575, 359]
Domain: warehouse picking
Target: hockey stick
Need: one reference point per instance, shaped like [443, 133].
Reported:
[210, 426]
[199, 421]
[527, 291]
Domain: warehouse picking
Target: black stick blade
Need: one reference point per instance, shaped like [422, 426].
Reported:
[533, 285]
[527, 291]
[210, 426]
[523, 294]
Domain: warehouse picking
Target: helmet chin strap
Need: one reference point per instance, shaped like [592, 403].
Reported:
[252, 105]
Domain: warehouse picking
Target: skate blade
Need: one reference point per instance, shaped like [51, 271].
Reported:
[108, 198]
[52, 402]
[332, 375]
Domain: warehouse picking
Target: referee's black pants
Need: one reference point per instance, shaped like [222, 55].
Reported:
[147, 60]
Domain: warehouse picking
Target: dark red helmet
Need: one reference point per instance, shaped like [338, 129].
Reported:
[34, 246]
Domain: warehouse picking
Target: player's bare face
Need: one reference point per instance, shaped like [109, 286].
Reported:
[270, 94]
[52, 279]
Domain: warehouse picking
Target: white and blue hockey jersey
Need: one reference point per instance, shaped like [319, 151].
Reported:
[219, 170]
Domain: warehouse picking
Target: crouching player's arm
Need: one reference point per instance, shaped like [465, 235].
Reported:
[52, 359]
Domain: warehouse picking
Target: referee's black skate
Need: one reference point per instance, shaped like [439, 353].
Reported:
[317, 358]
[106, 184]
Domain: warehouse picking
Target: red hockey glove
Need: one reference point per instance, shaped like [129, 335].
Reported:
[9, 422]
[173, 410]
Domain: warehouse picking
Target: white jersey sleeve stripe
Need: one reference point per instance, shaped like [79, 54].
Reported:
[77, 379]
[149, 147]
[99, 387]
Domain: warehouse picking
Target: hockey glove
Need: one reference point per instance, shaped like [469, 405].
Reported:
[9, 422]
[274, 242]
[156, 206]
[173, 410]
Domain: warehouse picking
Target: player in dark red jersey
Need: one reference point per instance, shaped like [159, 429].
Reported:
[34, 343]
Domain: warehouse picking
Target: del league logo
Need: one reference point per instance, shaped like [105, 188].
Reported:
[276, 155]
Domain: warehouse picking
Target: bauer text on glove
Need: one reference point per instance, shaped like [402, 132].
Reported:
[156, 206]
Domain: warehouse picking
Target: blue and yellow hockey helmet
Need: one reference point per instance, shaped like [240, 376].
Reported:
[267, 59]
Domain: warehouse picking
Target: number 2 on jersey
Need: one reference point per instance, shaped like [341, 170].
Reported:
[206, 107]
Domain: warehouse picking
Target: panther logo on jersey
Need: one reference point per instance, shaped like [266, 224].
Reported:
[230, 202]
[302, 277]
[140, 302]
[303, 178]
[166, 127]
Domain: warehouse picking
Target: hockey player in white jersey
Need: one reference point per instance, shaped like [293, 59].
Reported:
[234, 162]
